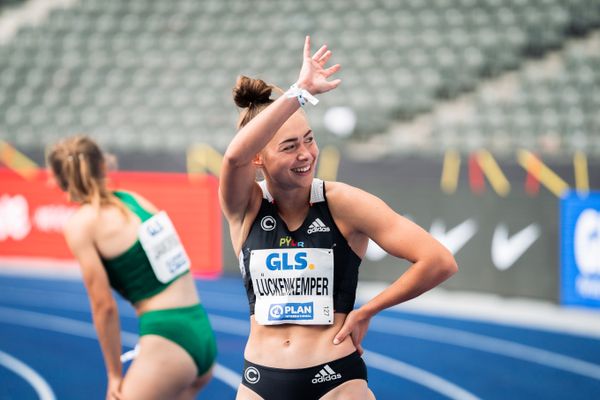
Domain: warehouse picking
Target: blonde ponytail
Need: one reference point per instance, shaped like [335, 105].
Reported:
[80, 168]
[89, 185]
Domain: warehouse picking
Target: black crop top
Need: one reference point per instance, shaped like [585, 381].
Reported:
[269, 231]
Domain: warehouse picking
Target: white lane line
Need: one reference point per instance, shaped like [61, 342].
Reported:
[39, 268]
[231, 378]
[79, 302]
[435, 383]
[513, 312]
[229, 325]
[55, 299]
[52, 299]
[485, 343]
[38, 383]
[85, 329]
[427, 379]
[451, 336]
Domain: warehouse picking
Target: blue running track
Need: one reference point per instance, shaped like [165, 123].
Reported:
[48, 350]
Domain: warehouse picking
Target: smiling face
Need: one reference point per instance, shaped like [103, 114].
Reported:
[290, 158]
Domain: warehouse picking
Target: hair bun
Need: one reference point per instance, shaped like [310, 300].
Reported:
[248, 91]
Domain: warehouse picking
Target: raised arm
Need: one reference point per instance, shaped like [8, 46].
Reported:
[366, 216]
[238, 172]
[104, 308]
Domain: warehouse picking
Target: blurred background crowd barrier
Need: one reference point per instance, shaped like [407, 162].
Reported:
[478, 119]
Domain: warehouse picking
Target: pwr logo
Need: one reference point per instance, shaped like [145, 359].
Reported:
[14, 217]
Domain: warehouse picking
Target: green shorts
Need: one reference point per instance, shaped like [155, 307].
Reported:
[189, 327]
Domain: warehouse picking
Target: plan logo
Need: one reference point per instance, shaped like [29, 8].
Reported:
[291, 311]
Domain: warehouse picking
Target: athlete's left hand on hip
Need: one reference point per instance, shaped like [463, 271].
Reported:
[355, 325]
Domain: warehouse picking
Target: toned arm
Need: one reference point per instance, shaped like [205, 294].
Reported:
[79, 236]
[238, 192]
[361, 216]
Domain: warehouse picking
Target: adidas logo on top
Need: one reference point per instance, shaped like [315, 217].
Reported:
[326, 374]
[317, 226]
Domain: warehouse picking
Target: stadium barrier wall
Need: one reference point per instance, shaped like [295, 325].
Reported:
[505, 244]
[33, 212]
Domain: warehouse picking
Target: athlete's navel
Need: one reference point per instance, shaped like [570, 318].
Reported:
[287, 342]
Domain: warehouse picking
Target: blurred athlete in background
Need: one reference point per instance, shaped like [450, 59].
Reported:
[300, 242]
[122, 241]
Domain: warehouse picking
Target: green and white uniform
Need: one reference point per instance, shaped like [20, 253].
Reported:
[133, 276]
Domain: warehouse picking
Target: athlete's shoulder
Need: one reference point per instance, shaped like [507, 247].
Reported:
[142, 201]
[349, 203]
[80, 224]
[342, 192]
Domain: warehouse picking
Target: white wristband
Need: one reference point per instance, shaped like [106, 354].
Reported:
[302, 95]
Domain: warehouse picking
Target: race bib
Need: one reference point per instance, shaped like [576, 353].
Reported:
[163, 247]
[292, 286]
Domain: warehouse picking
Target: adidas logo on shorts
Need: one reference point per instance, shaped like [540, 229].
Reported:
[326, 374]
[317, 226]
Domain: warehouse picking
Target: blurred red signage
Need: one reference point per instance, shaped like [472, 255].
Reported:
[33, 213]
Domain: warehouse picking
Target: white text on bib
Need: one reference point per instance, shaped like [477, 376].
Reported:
[163, 247]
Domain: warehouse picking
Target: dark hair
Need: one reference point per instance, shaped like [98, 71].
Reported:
[253, 96]
[79, 166]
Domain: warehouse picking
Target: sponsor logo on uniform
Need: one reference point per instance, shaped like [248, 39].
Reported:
[291, 311]
[326, 374]
[282, 273]
[267, 223]
[288, 241]
[317, 226]
[282, 261]
[252, 375]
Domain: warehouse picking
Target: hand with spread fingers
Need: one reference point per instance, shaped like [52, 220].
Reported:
[313, 74]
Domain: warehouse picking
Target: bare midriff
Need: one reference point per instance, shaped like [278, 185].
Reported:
[296, 346]
[181, 293]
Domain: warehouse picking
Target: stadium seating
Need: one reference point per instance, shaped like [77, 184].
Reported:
[158, 75]
[4, 4]
[552, 109]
